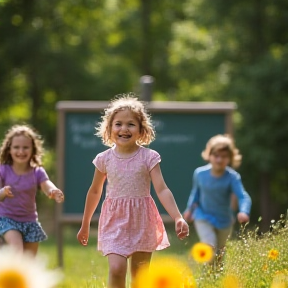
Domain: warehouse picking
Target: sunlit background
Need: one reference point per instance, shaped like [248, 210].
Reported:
[196, 50]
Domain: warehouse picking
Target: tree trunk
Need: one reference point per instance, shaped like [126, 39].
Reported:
[146, 38]
[34, 92]
[265, 201]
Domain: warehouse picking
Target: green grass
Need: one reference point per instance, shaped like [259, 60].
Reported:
[247, 259]
[86, 267]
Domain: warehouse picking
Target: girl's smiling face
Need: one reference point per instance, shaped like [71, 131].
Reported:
[125, 129]
[21, 149]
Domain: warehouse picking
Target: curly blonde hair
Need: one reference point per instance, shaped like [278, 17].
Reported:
[29, 132]
[122, 102]
[223, 143]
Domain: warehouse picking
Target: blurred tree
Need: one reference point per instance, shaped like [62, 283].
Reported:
[55, 51]
[254, 50]
[237, 51]
[195, 49]
[78, 49]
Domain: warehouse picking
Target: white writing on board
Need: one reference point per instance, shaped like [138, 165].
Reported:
[175, 138]
[159, 125]
[84, 141]
[81, 127]
[83, 134]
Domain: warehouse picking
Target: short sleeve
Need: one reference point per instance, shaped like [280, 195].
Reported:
[41, 175]
[153, 159]
[99, 162]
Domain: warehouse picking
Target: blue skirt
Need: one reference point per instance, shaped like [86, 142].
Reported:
[31, 231]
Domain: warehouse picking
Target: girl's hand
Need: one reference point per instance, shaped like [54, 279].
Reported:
[243, 217]
[83, 236]
[181, 228]
[6, 190]
[56, 194]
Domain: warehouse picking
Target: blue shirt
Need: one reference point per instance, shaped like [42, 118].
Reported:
[210, 196]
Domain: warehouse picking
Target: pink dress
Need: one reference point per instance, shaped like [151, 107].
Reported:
[129, 219]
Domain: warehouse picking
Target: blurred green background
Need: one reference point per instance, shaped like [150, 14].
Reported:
[197, 50]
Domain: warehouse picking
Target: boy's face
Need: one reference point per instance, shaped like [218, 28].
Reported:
[219, 159]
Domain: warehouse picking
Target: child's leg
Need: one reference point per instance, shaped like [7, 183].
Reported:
[222, 236]
[14, 239]
[31, 247]
[138, 259]
[206, 232]
[117, 271]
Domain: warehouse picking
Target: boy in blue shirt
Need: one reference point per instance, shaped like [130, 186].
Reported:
[209, 204]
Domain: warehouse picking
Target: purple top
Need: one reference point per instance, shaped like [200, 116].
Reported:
[22, 207]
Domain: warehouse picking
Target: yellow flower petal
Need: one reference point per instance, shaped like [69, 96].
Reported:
[279, 281]
[18, 270]
[273, 254]
[230, 281]
[12, 278]
[202, 252]
[164, 273]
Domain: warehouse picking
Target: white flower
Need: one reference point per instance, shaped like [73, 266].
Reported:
[18, 270]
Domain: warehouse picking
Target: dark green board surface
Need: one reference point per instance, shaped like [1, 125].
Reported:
[180, 138]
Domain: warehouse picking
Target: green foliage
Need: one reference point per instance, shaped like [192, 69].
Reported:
[197, 50]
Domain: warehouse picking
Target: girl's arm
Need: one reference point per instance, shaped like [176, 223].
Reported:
[167, 200]
[92, 201]
[51, 191]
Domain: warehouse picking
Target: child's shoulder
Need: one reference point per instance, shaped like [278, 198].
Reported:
[39, 169]
[232, 173]
[146, 150]
[4, 167]
[203, 169]
[40, 173]
[104, 153]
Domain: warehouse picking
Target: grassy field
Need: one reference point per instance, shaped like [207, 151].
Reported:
[86, 267]
[251, 261]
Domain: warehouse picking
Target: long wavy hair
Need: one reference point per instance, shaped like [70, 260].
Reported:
[29, 132]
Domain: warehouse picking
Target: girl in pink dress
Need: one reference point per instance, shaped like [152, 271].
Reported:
[130, 225]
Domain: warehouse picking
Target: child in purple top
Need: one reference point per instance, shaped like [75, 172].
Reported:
[21, 174]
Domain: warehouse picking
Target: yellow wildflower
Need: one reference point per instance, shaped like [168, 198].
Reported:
[164, 273]
[11, 278]
[189, 282]
[18, 270]
[202, 252]
[265, 267]
[230, 281]
[279, 281]
[273, 254]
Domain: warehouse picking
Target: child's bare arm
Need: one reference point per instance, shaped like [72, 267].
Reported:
[51, 191]
[92, 201]
[167, 199]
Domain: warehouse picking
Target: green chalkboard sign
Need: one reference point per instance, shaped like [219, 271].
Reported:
[182, 130]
